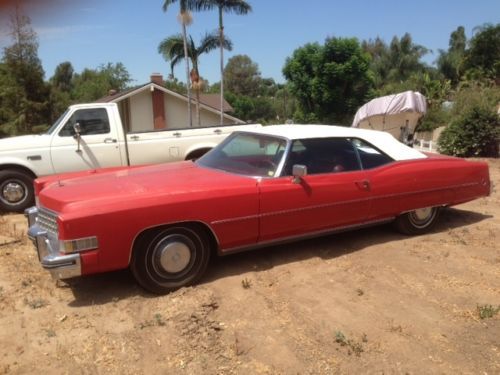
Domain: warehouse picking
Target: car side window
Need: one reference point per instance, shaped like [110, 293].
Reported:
[92, 121]
[370, 156]
[322, 155]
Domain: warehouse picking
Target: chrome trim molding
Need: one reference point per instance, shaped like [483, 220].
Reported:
[305, 236]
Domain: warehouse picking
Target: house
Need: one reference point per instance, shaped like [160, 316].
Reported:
[153, 107]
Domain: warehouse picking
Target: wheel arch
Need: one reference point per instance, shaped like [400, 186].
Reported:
[193, 224]
[18, 168]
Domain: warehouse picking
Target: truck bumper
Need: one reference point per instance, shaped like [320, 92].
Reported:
[60, 266]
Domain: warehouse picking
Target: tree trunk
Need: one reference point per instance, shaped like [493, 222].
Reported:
[221, 33]
[188, 82]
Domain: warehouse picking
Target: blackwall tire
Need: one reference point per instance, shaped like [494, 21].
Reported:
[170, 258]
[417, 221]
[16, 191]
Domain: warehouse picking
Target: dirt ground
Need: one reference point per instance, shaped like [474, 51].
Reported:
[369, 301]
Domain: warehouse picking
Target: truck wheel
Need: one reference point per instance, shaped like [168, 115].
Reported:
[16, 191]
[417, 221]
[170, 258]
[197, 154]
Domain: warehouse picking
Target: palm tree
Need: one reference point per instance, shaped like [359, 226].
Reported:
[223, 6]
[185, 19]
[172, 50]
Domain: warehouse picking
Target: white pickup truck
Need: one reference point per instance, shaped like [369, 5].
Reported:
[90, 136]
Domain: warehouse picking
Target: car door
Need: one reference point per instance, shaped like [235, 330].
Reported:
[98, 147]
[335, 193]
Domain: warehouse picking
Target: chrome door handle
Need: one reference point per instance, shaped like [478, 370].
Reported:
[363, 185]
[134, 137]
[217, 131]
[177, 134]
[109, 140]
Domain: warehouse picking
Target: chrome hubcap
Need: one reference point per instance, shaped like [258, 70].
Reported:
[175, 256]
[422, 214]
[13, 192]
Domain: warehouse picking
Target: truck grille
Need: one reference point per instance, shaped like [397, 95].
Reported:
[47, 220]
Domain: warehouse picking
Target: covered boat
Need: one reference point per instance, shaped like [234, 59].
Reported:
[397, 114]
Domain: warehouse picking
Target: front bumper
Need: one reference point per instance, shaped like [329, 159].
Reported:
[47, 245]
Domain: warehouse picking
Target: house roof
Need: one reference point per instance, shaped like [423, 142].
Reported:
[210, 100]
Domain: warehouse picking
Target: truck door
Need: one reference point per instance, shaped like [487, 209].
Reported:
[99, 147]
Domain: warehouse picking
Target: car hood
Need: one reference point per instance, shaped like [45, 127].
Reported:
[154, 184]
[24, 142]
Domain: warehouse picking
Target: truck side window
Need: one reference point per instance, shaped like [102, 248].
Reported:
[92, 121]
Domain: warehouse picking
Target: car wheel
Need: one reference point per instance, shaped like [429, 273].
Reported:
[171, 258]
[417, 221]
[16, 191]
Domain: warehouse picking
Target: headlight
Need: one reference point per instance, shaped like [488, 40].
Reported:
[80, 244]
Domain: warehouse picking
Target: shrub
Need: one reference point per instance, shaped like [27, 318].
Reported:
[475, 132]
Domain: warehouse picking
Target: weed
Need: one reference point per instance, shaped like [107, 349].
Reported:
[360, 292]
[50, 332]
[340, 338]
[36, 303]
[157, 321]
[487, 311]
[352, 345]
[246, 284]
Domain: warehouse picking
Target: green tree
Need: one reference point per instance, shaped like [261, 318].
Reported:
[242, 76]
[92, 84]
[483, 55]
[397, 62]
[61, 87]
[172, 49]
[224, 6]
[451, 63]
[23, 94]
[63, 77]
[331, 81]
[185, 19]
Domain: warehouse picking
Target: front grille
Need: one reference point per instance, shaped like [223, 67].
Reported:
[47, 220]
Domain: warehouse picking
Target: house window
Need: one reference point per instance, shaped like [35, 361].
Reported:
[92, 121]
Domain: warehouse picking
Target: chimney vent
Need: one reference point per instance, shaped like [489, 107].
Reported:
[112, 92]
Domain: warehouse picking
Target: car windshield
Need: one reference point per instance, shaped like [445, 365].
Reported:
[56, 124]
[246, 154]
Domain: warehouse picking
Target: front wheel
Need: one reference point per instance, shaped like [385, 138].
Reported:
[16, 191]
[417, 221]
[170, 258]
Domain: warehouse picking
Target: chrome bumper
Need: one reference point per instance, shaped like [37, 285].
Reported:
[47, 245]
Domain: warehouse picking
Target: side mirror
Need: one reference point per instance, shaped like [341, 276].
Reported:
[78, 130]
[298, 171]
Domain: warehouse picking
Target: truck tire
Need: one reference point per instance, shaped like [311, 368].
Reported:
[16, 191]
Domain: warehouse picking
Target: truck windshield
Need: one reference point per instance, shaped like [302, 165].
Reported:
[246, 154]
[56, 124]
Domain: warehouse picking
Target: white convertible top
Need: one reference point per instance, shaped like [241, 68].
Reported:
[382, 140]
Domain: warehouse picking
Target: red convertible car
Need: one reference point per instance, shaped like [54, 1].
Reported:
[276, 184]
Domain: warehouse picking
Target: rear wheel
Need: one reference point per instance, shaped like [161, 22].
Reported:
[417, 221]
[170, 258]
[16, 190]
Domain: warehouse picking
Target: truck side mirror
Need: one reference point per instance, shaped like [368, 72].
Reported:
[78, 130]
[298, 172]
[78, 134]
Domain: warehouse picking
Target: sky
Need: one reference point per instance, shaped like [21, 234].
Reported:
[89, 33]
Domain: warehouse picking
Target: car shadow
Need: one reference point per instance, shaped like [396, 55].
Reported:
[114, 286]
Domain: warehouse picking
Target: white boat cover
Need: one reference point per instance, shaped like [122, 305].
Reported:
[397, 114]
